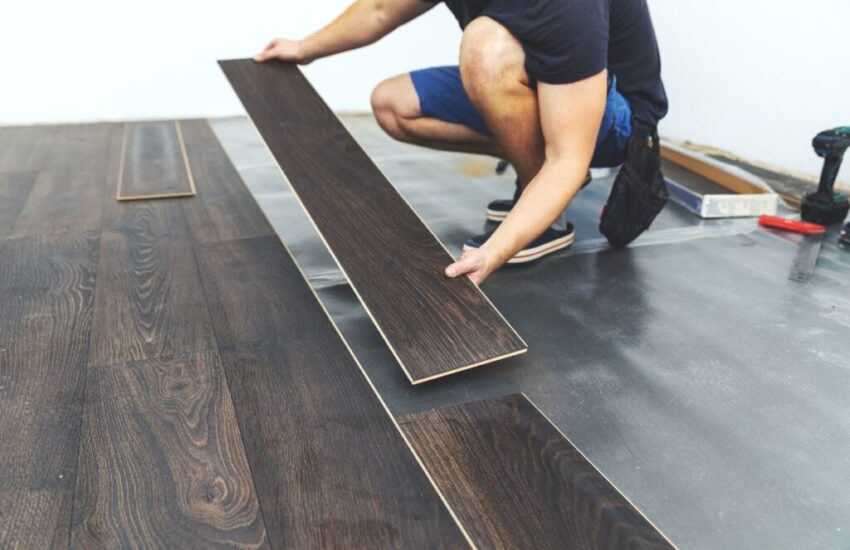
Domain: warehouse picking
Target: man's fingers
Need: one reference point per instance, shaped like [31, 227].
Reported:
[461, 267]
[268, 52]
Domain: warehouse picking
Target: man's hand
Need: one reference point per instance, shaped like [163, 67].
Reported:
[284, 50]
[477, 263]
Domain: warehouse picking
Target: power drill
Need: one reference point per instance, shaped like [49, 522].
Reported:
[825, 206]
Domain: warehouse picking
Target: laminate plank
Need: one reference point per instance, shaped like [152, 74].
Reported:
[330, 466]
[223, 209]
[47, 286]
[149, 299]
[161, 462]
[154, 163]
[15, 188]
[68, 193]
[433, 324]
[516, 482]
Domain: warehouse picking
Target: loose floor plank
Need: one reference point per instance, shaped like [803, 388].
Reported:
[330, 466]
[153, 163]
[435, 325]
[224, 209]
[47, 286]
[161, 462]
[516, 482]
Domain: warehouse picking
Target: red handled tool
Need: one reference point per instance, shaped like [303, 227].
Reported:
[796, 226]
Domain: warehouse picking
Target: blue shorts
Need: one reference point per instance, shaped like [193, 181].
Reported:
[441, 96]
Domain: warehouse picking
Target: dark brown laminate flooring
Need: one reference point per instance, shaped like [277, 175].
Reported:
[514, 481]
[123, 397]
[434, 325]
[154, 162]
[162, 463]
[331, 468]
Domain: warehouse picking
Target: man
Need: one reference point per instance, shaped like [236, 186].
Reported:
[550, 85]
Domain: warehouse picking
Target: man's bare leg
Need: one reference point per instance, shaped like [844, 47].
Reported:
[492, 67]
[396, 107]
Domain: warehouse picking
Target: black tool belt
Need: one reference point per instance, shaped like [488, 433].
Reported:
[639, 192]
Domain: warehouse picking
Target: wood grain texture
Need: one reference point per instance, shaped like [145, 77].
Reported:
[149, 299]
[15, 188]
[434, 325]
[516, 482]
[47, 287]
[154, 162]
[68, 193]
[330, 467]
[161, 463]
[223, 209]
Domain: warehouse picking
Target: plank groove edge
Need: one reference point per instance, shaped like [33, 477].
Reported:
[516, 481]
[433, 325]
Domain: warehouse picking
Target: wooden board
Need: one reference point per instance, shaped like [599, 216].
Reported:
[47, 286]
[515, 481]
[154, 163]
[330, 466]
[692, 180]
[224, 209]
[716, 174]
[434, 325]
[161, 463]
[791, 188]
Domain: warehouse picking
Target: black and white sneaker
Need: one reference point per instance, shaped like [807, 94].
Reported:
[498, 210]
[550, 241]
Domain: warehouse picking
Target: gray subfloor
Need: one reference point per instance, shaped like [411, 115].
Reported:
[708, 387]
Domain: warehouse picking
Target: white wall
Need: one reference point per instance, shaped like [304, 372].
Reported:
[759, 77]
[112, 59]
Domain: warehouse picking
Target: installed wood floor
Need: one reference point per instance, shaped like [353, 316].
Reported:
[516, 482]
[167, 377]
[435, 325]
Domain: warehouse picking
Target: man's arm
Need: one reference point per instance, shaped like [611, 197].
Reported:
[570, 115]
[363, 23]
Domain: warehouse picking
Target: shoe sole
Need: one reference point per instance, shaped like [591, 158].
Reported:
[496, 215]
[531, 254]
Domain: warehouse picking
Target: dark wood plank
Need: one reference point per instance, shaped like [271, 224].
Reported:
[514, 481]
[434, 325]
[149, 299]
[68, 193]
[161, 462]
[47, 287]
[330, 466]
[223, 209]
[154, 162]
[15, 188]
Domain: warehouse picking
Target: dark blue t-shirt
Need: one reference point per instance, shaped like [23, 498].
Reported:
[569, 40]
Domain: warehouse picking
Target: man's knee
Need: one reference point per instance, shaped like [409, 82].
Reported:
[490, 58]
[393, 100]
